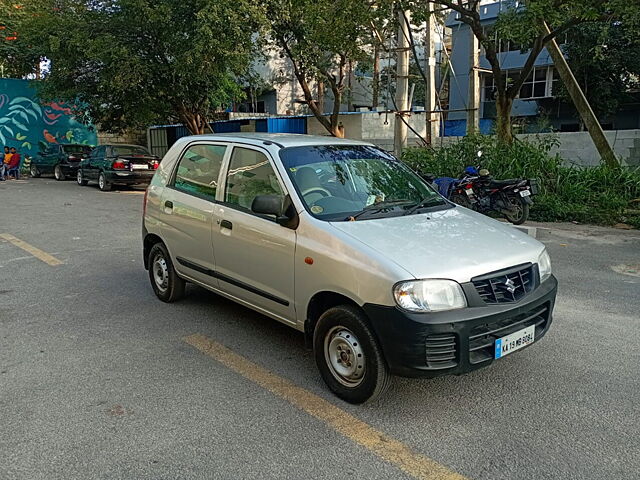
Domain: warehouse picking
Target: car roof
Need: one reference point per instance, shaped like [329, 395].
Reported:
[282, 139]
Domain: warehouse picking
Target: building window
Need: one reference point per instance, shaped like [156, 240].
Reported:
[537, 85]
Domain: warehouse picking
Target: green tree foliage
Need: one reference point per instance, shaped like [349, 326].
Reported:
[19, 57]
[131, 63]
[605, 59]
[320, 38]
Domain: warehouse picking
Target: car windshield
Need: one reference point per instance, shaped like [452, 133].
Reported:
[347, 182]
[76, 149]
[129, 150]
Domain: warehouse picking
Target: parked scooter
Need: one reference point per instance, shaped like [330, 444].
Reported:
[478, 190]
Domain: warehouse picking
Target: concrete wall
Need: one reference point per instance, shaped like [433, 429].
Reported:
[577, 148]
[374, 127]
[131, 137]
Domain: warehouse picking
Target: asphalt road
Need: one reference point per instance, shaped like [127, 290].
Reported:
[97, 380]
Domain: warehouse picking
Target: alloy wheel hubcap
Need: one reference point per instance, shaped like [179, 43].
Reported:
[57, 172]
[79, 176]
[101, 181]
[344, 356]
[161, 273]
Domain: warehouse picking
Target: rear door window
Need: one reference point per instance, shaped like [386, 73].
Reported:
[198, 170]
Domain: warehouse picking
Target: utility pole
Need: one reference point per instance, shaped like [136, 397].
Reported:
[473, 115]
[402, 83]
[580, 101]
[430, 104]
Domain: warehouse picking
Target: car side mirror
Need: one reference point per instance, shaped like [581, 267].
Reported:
[283, 210]
[267, 205]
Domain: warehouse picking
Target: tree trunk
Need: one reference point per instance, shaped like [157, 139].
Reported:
[503, 119]
[194, 122]
[376, 75]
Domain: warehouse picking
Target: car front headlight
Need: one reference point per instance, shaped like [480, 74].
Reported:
[544, 265]
[429, 295]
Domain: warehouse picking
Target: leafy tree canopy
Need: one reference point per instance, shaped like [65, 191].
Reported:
[132, 63]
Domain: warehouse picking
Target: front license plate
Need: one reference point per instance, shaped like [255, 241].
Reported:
[525, 193]
[515, 341]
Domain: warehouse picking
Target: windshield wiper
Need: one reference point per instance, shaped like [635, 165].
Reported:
[377, 207]
[424, 203]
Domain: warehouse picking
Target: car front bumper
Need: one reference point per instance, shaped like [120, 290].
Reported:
[456, 341]
[130, 177]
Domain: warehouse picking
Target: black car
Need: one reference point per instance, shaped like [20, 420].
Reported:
[118, 164]
[61, 160]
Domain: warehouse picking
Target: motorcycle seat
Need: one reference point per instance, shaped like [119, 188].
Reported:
[504, 183]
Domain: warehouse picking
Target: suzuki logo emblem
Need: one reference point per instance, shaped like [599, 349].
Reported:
[510, 285]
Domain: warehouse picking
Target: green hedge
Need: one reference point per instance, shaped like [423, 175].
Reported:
[567, 193]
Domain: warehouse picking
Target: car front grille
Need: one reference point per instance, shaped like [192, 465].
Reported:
[441, 351]
[505, 286]
[482, 337]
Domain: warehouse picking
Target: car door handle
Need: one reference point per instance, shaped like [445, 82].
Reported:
[226, 224]
[168, 204]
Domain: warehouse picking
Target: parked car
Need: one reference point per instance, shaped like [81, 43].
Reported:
[343, 242]
[61, 160]
[119, 164]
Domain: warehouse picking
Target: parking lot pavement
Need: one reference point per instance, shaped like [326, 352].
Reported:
[99, 379]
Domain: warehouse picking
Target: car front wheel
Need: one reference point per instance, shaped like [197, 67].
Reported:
[33, 170]
[80, 178]
[348, 355]
[166, 283]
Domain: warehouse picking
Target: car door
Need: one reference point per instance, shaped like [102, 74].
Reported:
[46, 159]
[187, 209]
[254, 254]
[90, 166]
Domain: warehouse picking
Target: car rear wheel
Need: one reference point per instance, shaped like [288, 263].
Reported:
[80, 178]
[58, 173]
[166, 283]
[103, 184]
[348, 355]
[33, 170]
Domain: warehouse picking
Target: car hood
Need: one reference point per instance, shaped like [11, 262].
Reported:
[456, 243]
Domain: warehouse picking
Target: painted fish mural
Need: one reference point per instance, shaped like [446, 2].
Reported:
[27, 124]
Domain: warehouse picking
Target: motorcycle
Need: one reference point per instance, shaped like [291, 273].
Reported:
[478, 190]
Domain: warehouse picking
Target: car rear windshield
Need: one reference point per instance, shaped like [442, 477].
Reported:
[347, 182]
[130, 150]
[76, 148]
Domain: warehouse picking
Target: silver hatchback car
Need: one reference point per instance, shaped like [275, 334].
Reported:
[343, 242]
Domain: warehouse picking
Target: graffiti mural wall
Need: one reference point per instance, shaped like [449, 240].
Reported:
[27, 124]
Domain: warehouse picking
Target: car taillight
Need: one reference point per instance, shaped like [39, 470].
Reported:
[155, 164]
[119, 164]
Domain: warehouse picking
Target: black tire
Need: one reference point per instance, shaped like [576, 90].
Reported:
[366, 375]
[59, 174]
[103, 184]
[520, 212]
[166, 283]
[80, 178]
[34, 172]
[462, 200]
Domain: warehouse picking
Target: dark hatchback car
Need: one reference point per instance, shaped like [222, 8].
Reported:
[120, 164]
[61, 160]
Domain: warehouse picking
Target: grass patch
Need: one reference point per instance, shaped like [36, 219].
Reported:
[601, 195]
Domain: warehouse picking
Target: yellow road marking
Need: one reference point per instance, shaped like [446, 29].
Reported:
[363, 434]
[36, 252]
